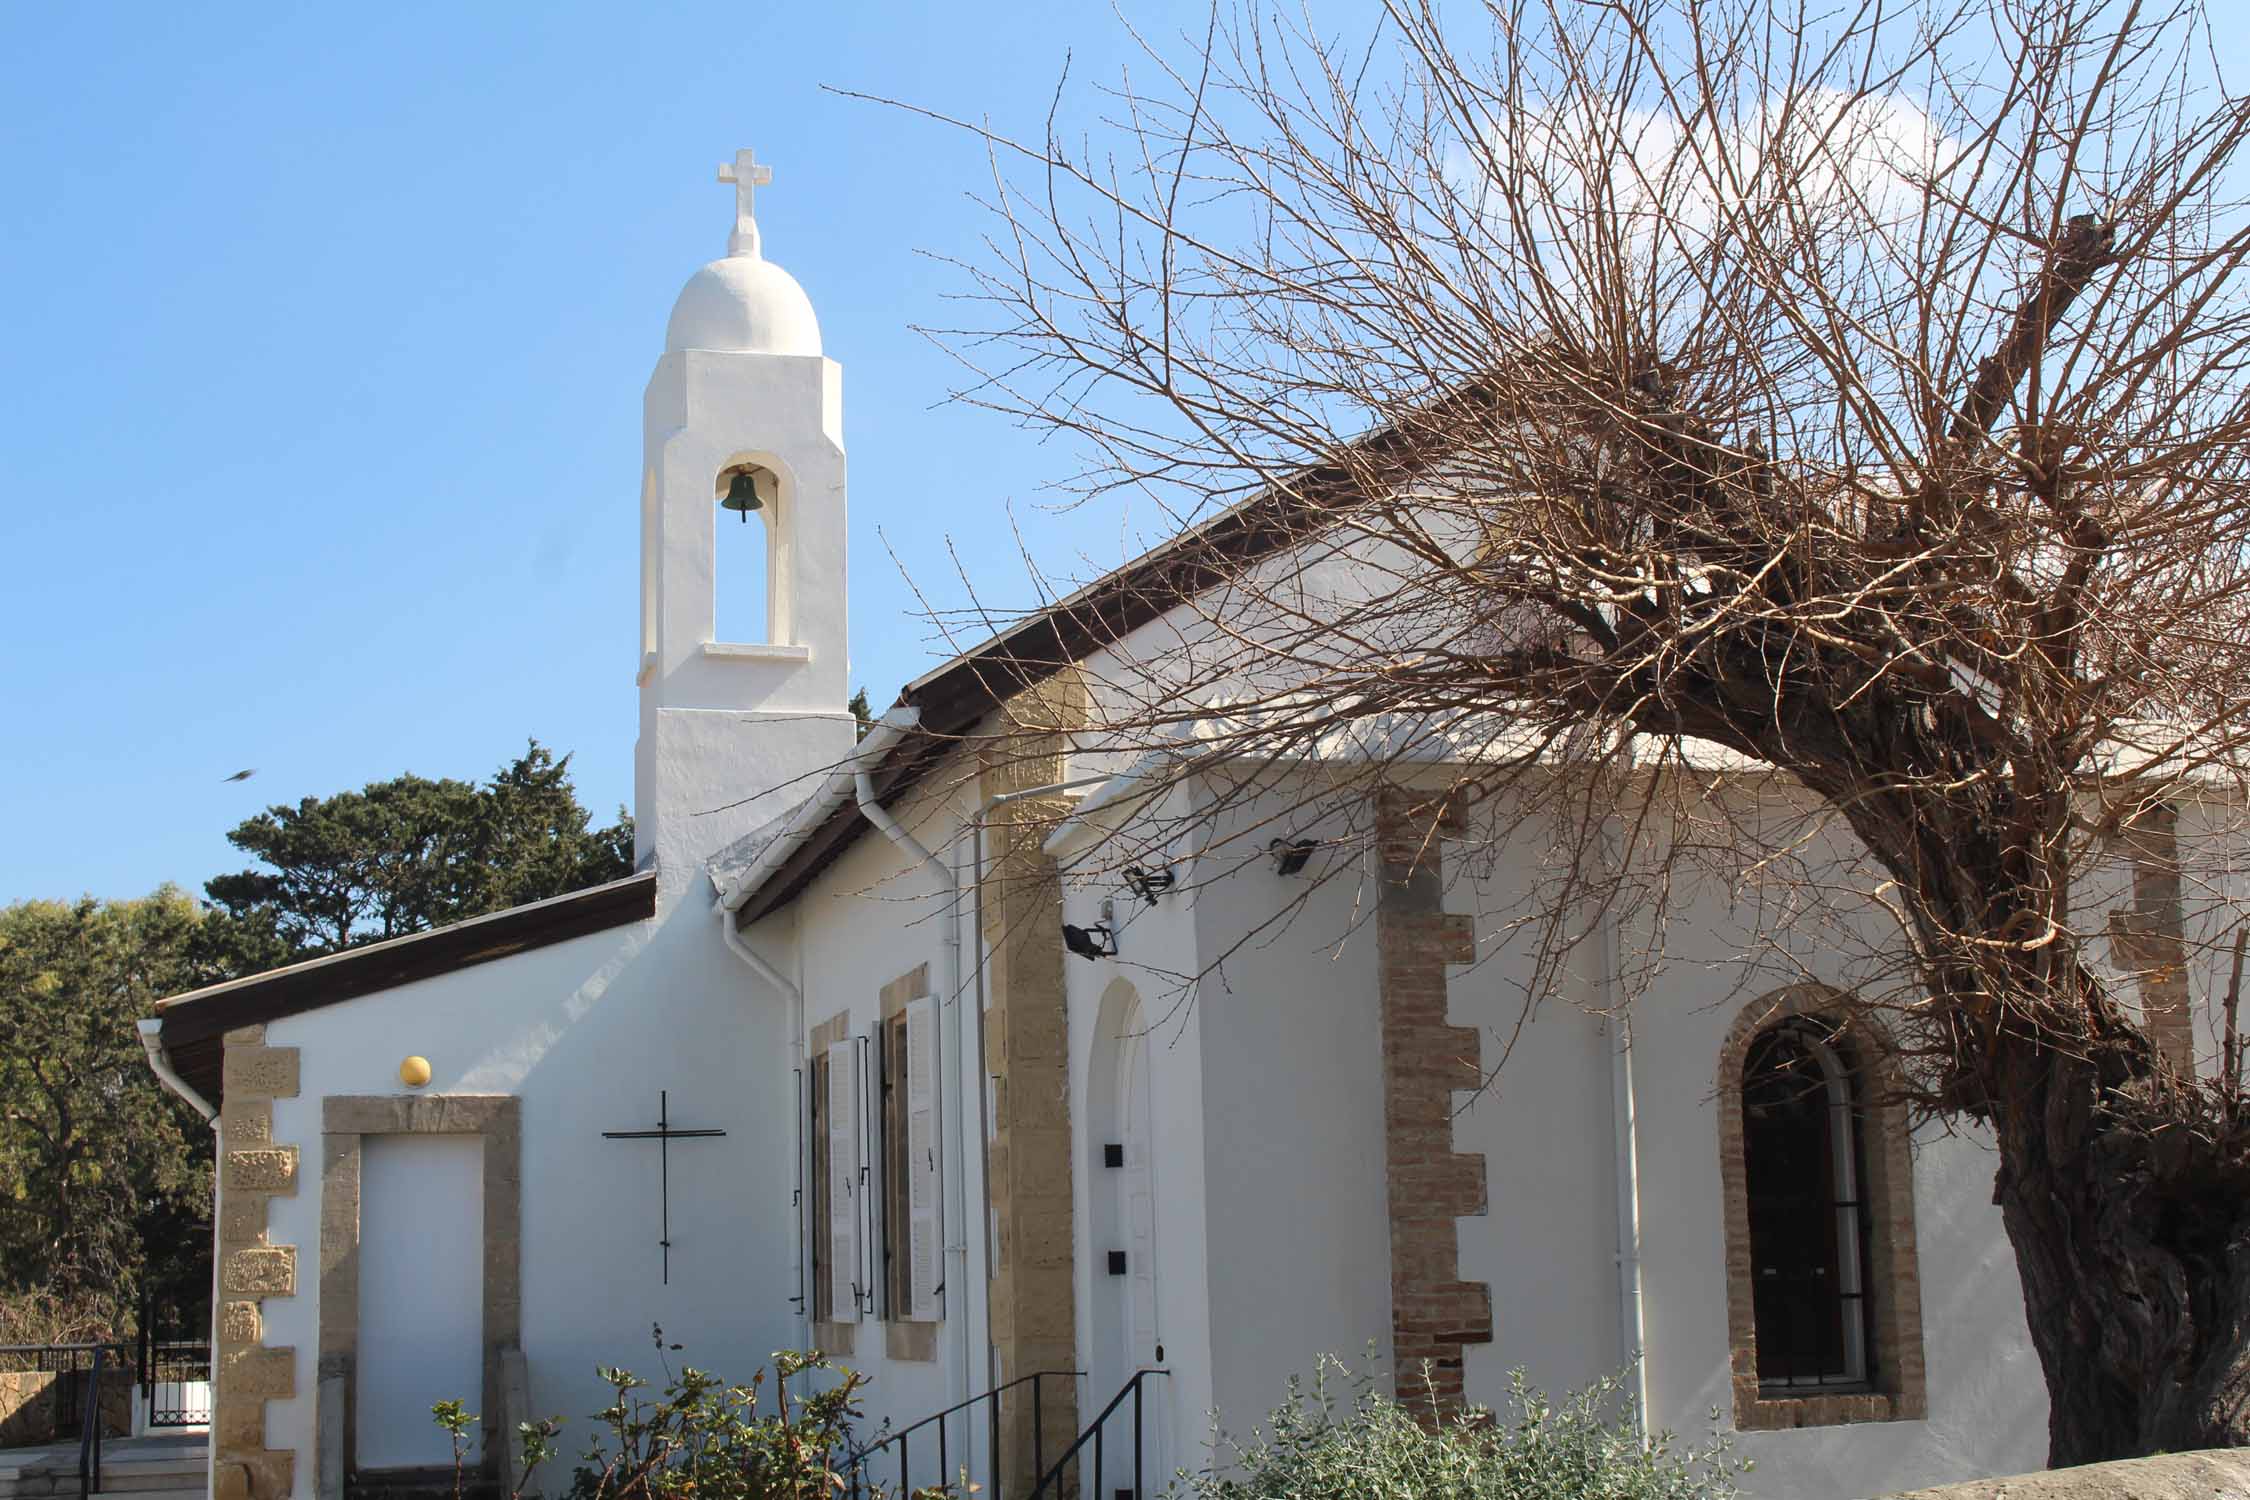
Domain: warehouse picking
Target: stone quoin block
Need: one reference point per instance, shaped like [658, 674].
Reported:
[242, 1220]
[261, 1271]
[238, 1426]
[239, 1323]
[246, 1122]
[255, 1476]
[260, 1073]
[264, 1169]
[267, 1373]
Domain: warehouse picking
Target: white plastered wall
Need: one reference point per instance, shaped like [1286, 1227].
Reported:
[869, 919]
[1268, 1094]
[586, 1032]
[1272, 1239]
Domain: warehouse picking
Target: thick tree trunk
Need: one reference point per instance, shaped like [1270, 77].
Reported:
[2132, 1238]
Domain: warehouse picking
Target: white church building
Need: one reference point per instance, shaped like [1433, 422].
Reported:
[827, 1073]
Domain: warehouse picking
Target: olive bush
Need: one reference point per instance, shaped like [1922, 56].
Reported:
[1359, 1442]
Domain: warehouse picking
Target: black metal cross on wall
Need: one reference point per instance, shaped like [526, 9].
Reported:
[664, 1135]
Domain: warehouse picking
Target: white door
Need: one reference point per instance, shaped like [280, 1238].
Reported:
[1136, 1187]
[421, 1294]
[1133, 1326]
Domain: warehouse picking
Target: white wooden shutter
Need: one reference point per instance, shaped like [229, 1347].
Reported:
[925, 1230]
[842, 1107]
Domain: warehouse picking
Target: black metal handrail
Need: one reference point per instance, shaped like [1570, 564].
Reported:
[1050, 1482]
[90, 1431]
[855, 1467]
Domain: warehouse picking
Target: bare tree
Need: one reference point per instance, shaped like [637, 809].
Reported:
[1852, 396]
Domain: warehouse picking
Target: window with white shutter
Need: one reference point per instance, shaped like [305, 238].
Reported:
[840, 1111]
[925, 1225]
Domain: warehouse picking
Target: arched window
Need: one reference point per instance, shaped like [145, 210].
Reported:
[1824, 1307]
[1803, 1171]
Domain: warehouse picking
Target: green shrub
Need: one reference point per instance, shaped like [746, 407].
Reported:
[1369, 1446]
[700, 1438]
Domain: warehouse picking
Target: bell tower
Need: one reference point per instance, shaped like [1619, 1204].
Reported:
[742, 419]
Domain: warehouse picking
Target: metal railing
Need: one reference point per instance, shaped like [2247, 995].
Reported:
[899, 1445]
[1051, 1480]
[90, 1431]
[175, 1380]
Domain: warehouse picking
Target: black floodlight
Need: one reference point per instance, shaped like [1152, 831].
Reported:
[1148, 884]
[1096, 941]
[1289, 855]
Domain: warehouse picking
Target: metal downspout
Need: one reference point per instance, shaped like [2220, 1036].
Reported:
[789, 987]
[1632, 1326]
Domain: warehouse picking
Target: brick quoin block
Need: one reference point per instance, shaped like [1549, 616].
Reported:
[1425, 1060]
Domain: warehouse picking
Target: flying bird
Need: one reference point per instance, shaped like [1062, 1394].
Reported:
[244, 775]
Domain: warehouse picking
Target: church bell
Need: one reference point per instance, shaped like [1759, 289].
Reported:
[742, 495]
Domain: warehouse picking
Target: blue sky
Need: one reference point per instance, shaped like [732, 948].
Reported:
[324, 336]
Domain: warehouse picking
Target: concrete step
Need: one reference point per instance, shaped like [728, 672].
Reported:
[37, 1475]
[40, 1484]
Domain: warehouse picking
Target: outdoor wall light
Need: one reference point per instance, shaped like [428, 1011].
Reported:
[1289, 855]
[1149, 884]
[1096, 941]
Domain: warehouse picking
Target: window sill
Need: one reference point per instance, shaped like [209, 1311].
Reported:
[1757, 1411]
[915, 1342]
[750, 651]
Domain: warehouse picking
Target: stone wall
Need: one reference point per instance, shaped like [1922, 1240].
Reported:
[28, 1401]
[2170, 1476]
[27, 1408]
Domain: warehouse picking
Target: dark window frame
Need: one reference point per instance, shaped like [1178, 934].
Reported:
[1810, 1224]
[819, 1198]
[897, 1188]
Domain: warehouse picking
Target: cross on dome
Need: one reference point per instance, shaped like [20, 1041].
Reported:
[748, 175]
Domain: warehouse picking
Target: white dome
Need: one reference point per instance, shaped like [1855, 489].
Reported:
[744, 304]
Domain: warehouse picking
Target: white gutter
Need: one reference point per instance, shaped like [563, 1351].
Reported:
[152, 1042]
[899, 721]
[796, 994]
[1138, 779]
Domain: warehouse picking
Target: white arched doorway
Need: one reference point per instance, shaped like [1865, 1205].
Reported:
[1127, 1324]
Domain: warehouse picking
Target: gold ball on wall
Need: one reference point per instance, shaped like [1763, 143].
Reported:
[414, 1072]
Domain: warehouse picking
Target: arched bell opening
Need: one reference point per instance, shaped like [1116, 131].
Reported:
[751, 600]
